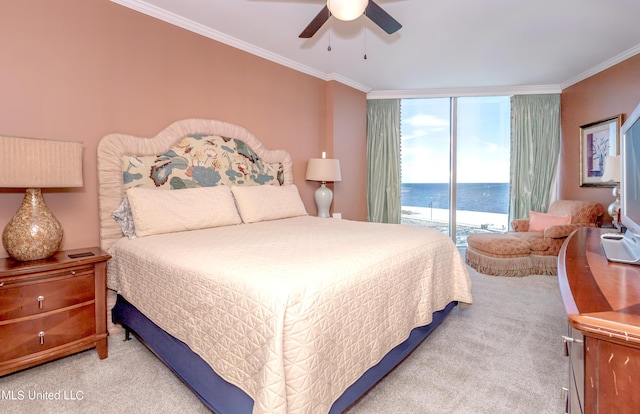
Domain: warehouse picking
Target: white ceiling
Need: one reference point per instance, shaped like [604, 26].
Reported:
[444, 47]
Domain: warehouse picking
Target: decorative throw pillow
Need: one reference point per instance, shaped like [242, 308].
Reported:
[268, 202]
[166, 211]
[122, 216]
[540, 221]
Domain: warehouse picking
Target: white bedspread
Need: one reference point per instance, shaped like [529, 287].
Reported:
[291, 311]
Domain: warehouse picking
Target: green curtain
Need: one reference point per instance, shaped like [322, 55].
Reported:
[383, 161]
[535, 148]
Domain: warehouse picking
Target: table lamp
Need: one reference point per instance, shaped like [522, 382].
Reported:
[34, 232]
[612, 173]
[323, 170]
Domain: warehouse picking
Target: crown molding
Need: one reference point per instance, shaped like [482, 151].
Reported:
[604, 65]
[187, 24]
[459, 92]
[346, 81]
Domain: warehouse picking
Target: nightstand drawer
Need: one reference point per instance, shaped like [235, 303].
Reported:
[31, 335]
[32, 297]
[52, 308]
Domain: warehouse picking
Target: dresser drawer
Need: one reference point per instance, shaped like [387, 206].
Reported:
[35, 296]
[31, 335]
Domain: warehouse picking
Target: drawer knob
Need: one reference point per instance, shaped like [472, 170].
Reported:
[73, 272]
[41, 335]
[40, 300]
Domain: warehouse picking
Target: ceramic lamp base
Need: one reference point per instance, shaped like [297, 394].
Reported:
[33, 233]
[323, 197]
[614, 208]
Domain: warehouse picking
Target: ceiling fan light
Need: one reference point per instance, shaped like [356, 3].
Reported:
[347, 10]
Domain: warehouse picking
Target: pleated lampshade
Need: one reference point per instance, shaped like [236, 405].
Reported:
[34, 232]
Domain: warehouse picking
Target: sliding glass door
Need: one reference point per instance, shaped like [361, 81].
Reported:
[425, 130]
[455, 164]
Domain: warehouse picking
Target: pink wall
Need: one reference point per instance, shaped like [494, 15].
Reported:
[350, 147]
[609, 93]
[77, 70]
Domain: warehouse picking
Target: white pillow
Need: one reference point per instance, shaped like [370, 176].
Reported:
[166, 211]
[268, 202]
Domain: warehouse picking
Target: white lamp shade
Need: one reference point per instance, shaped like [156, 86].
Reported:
[39, 163]
[323, 169]
[347, 10]
[611, 169]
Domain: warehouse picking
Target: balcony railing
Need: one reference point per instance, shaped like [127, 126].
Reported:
[467, 222]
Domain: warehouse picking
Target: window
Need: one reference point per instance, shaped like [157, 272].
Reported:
[455, 164]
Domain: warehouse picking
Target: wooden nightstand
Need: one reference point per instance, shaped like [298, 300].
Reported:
[52, 308]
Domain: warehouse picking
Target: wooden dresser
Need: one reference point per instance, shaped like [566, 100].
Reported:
[602, 301]
[52, 308]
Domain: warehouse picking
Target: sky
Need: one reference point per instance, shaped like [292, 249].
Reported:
[483, 140]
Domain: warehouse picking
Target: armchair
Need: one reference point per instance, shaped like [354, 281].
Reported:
[533, 245]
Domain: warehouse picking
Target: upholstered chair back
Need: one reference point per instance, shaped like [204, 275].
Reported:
[581, 212]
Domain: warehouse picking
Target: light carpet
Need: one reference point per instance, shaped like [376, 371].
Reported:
[503, 354]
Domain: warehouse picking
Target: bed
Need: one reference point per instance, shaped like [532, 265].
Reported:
[254, 304]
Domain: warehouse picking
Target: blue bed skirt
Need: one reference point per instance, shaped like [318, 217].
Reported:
[225, 398]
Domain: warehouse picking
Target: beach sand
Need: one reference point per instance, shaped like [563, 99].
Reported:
[468, 222]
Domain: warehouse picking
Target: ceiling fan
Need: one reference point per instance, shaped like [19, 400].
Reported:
[350, 10]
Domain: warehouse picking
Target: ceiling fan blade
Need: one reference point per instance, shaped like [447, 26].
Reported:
[316, 23]
[382, 18]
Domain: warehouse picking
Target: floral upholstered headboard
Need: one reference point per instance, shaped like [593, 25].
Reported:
[201, 160]
[187, 154]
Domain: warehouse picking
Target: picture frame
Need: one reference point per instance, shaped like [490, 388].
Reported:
[597, 141]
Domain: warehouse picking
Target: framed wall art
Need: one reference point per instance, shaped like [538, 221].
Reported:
[597, 141]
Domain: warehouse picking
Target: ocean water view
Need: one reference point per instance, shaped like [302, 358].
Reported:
[481, 207]
[484, 197]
